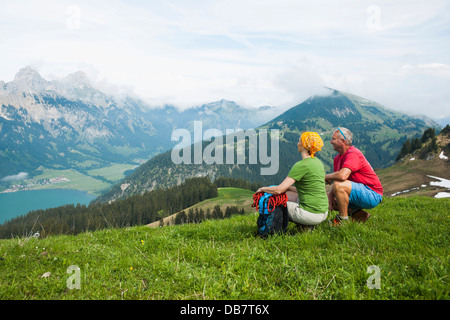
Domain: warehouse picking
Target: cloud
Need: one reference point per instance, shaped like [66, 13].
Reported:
[19, 176]
[254, 52]
[300, 81]
[433, 69]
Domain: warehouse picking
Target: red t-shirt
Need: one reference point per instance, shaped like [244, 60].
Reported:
[362, 171]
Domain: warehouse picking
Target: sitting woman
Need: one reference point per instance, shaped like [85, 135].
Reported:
[307, 202]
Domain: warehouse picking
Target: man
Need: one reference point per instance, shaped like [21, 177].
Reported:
[355, 184]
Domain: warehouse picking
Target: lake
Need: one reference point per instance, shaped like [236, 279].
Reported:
[14, 204]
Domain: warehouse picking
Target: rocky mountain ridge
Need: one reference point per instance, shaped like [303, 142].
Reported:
[69, 123]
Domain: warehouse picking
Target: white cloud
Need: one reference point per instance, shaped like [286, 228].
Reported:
[433, 69]
[19, 176]
[253, 52]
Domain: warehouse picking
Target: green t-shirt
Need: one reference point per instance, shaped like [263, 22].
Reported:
[309, 176]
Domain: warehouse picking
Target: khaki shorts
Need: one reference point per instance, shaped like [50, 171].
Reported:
[301, 216]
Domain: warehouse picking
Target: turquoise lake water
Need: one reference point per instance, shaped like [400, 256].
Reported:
[14, 204]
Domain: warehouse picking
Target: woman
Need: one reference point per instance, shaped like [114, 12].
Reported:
[307, 200]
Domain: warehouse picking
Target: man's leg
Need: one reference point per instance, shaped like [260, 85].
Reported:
[342, 190]
[361, 197]
[332, 204]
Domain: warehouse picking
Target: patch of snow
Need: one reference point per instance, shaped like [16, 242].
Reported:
[412, 159]
[442, 183]
[442, 195]
[404, 191]
[442, 156]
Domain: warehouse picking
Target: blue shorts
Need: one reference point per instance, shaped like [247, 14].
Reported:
[363, 197]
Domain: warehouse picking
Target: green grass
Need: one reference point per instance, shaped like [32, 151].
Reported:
[114, 172]
[80, 181]
[77, 181]
[229, 197]
[406, 238]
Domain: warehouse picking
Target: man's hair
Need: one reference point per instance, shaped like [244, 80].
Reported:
[345, 134]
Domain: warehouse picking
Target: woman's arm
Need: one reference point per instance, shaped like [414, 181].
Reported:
[281, 188]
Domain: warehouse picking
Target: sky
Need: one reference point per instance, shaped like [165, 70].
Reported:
[253, 52]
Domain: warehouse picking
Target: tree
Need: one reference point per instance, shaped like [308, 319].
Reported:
[446, 129]
[428, 134]
[217, 213]
[406, 149]
[416, 144]
[181, 218]
[190, 216]
[228, 212]
[433, 147]
[208, 214]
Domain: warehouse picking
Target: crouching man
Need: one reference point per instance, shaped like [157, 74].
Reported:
[355, 185]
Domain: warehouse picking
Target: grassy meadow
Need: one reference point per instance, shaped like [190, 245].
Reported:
[406, 239]
[88, 182]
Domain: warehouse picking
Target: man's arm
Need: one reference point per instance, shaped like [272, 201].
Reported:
[340, 175]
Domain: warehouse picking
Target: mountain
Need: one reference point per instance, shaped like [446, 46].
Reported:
[378, 132]
[69, 123]
[444, 121]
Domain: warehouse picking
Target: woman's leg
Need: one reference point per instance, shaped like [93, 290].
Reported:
[292, 196]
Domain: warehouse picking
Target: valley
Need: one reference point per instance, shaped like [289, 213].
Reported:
[94, 181]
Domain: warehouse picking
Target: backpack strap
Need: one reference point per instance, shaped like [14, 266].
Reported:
[264, 203]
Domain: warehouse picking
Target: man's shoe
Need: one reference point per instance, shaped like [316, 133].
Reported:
[360, 215]
[337, 220]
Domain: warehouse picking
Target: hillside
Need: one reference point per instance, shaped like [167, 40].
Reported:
[407, 239]
[227, 197]
[378, 132]
[417, 173]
